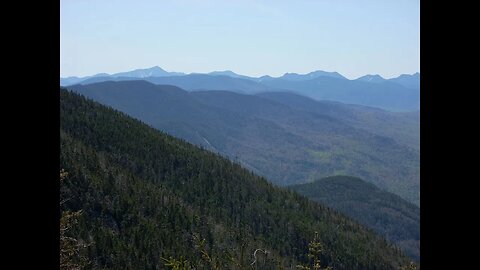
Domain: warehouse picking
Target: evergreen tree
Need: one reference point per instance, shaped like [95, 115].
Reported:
[315, 250]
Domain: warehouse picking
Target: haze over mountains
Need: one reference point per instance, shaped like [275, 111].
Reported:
[396, 94]
[286, 137]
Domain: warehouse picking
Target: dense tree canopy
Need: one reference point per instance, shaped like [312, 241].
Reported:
[385, 213]
[145, 196]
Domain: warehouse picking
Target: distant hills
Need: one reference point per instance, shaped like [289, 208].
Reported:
[146, 197]
[288, 138]
[137, 73]
[386, 95]
[230, 73]
[403, 127]
[396, 94]
[310, 76]
[409, 81]
[147, 72]
[386, 213]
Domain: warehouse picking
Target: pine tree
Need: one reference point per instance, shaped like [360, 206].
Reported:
[180, 264]
[315, 249]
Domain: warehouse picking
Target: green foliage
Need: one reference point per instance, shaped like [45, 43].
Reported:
[200, 244]
[387, 214]
[143, 194]
[315, 250]
[71, 249]
[180, 264]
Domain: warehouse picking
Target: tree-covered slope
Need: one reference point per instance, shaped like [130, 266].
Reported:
[144, 195]
[386, 213]
[403, 127]
[286, 144]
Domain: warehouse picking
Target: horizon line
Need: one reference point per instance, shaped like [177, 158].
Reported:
[229, 70]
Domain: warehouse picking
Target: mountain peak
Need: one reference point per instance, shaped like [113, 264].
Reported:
[265, 78]
[154, 71]
[156, 68]
[224, 72]
[228, 73]
[311, 75]
[334, 74]
[375, 78]
[414, 75]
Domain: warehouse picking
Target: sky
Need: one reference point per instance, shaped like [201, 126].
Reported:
[249, 37]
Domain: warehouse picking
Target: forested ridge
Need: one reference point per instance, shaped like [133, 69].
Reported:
[144, 196]
[386, 213]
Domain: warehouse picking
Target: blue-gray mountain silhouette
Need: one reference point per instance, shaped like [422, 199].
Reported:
[409, 81]
[371, 78]
[397, 94]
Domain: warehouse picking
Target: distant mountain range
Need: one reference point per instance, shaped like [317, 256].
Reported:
[137, 73]
[410, 81]
[288, 138]
[311, 75]
[195, 82]
[396, 94]
[148, 72]
[386, 95]
[406, 80]
[387, 214]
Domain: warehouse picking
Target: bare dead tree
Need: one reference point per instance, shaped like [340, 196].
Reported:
[255, 255]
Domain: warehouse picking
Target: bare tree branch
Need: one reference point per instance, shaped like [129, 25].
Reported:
[255, 255]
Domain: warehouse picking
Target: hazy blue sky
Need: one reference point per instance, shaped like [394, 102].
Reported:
[249, 37]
